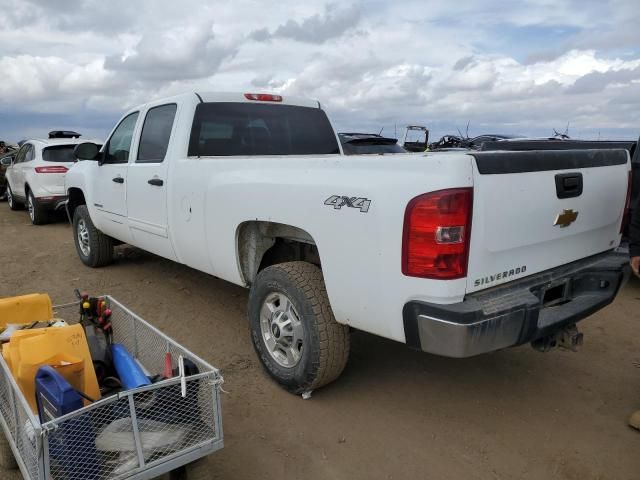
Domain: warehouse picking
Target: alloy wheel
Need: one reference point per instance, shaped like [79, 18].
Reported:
[83, 237]
[282, 330]
[31, 207]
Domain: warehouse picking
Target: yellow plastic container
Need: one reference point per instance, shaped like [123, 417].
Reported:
[64, 348]
[35, 307]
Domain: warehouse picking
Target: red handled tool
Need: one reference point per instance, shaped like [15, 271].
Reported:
[168, 369]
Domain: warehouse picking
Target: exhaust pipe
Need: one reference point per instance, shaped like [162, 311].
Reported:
[569, 338]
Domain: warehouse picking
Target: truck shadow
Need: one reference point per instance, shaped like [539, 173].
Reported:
[387, 361]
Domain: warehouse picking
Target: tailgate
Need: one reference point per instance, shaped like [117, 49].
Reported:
[537, 210]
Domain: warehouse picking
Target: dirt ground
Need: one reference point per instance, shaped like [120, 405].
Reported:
[395, 413]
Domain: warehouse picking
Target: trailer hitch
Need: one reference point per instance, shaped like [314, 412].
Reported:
[568, 338]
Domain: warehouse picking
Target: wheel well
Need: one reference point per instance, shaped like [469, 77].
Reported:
[75, 199]
[262, 244]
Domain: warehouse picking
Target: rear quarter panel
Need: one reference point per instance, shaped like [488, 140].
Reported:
[360, 252]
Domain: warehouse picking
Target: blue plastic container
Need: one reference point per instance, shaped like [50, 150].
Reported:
[130, 373]
[54, 395]
[72, 445]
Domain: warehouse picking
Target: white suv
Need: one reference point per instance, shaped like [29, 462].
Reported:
[36, 176]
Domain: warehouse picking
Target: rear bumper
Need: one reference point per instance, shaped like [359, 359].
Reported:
[518, 312]
[53, 202]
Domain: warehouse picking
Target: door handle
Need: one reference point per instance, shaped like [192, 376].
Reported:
[118, 179]
[569, 185]
[155, 181]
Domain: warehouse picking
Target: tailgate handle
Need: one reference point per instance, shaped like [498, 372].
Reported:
[569, 185]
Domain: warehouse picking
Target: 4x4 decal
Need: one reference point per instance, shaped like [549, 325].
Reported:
[339, 201]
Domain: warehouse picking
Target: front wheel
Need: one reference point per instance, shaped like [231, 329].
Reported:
[94, 248]
[38, 215]
[293, 329]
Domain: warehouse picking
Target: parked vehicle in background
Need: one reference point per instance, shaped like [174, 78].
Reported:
[445, 252]
[416, 138]
[5, 161]
[35, 177]
[475, 143]
[368, 143]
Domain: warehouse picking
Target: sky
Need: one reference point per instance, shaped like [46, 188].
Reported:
[525, 67]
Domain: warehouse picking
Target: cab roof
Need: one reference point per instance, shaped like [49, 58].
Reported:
[244, 97]
[236, 97]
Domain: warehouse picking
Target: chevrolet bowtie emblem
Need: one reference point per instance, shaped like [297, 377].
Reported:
[566, 218]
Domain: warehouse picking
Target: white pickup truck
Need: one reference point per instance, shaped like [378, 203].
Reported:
[454, 253]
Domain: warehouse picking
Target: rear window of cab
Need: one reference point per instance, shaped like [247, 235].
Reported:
[235, 129]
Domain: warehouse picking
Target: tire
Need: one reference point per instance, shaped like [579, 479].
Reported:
[11, 200]
[7, 460]
[289, 312]
[94, 248]
[37, 213]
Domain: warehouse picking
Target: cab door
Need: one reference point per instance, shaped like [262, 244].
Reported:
[147, 182]
[109, 181]
[16, 175]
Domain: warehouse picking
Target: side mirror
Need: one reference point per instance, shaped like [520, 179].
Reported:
[86, 151]
[6, 161]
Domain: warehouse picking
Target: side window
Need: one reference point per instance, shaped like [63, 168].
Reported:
[30, 154]
[156, 132]
[20, 156]
[119, 145]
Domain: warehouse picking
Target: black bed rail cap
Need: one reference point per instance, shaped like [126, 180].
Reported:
[500, 162]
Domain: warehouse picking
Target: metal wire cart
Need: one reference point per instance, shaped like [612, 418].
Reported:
[135, 434]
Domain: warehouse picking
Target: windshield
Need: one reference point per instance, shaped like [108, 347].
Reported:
[228, 129]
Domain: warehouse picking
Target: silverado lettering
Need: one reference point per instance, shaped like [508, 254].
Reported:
[500, 276]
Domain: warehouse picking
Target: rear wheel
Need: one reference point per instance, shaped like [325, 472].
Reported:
[37, 213]
[11, 200]
[293, 328]
[94, 248]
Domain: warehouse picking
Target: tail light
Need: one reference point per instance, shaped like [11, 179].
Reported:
[263, 97]
[52, 169]
[627, 205]
[437, 229]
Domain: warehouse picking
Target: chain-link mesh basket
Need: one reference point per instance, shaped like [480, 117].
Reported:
[139, 433]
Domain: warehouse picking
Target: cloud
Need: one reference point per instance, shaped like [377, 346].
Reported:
[183, 52]
[318, 28]
[597, 81]
[522, 68]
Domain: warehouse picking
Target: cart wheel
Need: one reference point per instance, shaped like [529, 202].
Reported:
[7, 460]
[198, 470]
